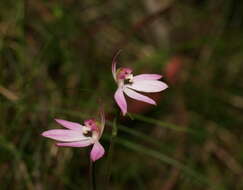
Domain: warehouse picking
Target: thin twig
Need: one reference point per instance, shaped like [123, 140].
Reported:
[8, 94]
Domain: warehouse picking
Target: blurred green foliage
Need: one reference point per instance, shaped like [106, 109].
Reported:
[55, 59]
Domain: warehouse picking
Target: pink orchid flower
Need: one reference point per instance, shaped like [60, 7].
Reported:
[77, 135]
[129, 84]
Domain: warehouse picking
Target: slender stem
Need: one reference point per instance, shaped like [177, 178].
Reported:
[110, 153]
[92, 175]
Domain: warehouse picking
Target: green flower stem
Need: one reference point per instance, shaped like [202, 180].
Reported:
[110, 153]
[92, 175]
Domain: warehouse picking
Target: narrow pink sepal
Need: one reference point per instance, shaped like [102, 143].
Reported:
[148, 86]
[147, 77]
[69, 124]
[75, 144]
[138, 96]
[113, 66]
[64, 135]
[102, 121]
[113, 69]
[121, 101]
[97, 152]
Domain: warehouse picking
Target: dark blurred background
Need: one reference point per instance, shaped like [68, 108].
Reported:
[55, 62]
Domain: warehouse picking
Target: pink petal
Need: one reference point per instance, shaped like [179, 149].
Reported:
[147, 77]
[69, 124]
[64, 135]
[138, 96]
[76, 144]
[121, 101]
[148, 86]
[97, 151]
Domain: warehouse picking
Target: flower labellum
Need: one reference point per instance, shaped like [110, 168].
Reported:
[77, 135]
[131, 85]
